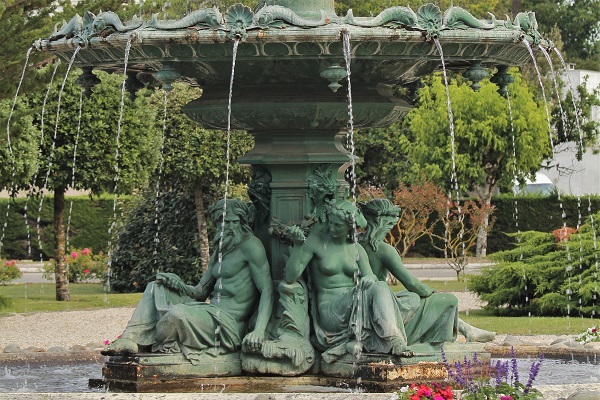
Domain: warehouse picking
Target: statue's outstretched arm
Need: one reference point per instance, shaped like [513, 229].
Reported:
[393, 263]
[363, 265]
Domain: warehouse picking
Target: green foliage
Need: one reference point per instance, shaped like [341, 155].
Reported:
[483, 134]
[137, 257]
[22, 143]
[83, 266]
[552, 278]
[97, 144]
[579, 24]
[9, 271]
[194, 155]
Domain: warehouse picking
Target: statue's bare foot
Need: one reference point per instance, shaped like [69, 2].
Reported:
[354, 348]
[473, 334]
[120, 346]
[400, 348]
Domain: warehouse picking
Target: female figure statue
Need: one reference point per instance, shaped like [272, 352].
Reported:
[352, 310]
[436, 320]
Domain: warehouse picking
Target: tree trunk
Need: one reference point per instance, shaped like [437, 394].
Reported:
[515, 7]
[482, 233]
[202, 229]
[60, 266]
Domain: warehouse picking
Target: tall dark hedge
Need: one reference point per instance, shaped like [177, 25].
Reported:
[89, 225]
[137, 257]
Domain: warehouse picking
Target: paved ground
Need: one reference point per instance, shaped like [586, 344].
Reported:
[435, 270]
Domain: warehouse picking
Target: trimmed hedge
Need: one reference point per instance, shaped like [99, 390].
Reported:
[89, 225]
[535, 213]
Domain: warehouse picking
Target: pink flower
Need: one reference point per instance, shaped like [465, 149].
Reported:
[106, 342]
[438, 397]
[74, 255]
[503, 397]
[594, 330]
[86, 271]
[85, 251]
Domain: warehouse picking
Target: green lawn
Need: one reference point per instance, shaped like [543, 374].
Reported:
[441, 286]
[41, 297]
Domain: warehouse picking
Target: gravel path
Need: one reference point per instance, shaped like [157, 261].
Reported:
[64, 328]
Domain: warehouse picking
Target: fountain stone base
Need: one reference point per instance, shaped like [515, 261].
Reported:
[378, 373]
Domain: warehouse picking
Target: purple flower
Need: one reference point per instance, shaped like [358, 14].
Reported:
[533, 372]
[515, 371]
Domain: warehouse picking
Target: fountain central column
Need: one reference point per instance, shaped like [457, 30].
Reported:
[285, 159]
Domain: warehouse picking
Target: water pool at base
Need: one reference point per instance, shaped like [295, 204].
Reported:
[74, 377]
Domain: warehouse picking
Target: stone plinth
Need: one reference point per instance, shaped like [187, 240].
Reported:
[372, 373]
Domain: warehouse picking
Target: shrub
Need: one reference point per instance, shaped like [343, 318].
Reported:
[83, 266]
[543, 277]
[137, 256]
[9, 271]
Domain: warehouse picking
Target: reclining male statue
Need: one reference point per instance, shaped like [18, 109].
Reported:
[173, 317]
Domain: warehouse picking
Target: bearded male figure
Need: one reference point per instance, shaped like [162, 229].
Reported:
[173, 317]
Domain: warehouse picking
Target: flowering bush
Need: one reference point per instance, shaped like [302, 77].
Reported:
[83, 266]
[497, 382]
[424, 392]
[589, 335]
[9, 271]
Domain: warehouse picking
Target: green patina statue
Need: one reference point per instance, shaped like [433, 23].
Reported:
[352, 310]
[436, 319]
[173, 317]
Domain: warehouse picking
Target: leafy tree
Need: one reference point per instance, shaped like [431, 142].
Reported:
[544, 275]
[579, 25]
[196, 157]
[483, 134]
[96, 149]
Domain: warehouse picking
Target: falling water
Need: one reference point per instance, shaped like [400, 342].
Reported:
[348, 59]
[39, 157]
[51, 156]
[564, 121]
[516, 214]
[116, 166]
[569, 267]
[160, 169]
[591, 215]
[10, 150]
[454, 177]
[219, 282]
[556, 88]
[73, 169]
[537, 69]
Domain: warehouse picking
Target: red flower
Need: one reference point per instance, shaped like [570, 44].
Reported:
[424, 390]
[594, 330]
[85, 251]
[415, 397]
[74, 255]
[86, 271]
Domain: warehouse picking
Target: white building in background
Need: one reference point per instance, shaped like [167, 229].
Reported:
[577, 177]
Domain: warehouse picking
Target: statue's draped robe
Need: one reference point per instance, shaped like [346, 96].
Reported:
[435, 321]
[405, 315]
[173, 323]
[369, 310]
